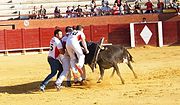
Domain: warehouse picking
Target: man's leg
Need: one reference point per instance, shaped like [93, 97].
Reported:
[66, 69]
[54, 64]
[83, 76]
[73, 60]
[69, 79]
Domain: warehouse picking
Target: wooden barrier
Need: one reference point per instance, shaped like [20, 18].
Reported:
[178, 27]
[2, 40]
[7, 25]
[146, 33]
[119, 34]
[38, 38]
[23, 51]
[86, 21]
[98, 32]
[170, 32]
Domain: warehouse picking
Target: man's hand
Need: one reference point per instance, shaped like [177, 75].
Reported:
[87, 51]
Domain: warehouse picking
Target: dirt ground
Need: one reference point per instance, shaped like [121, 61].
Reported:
[158, 82]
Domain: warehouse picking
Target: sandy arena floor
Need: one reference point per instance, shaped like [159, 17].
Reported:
[158, 82]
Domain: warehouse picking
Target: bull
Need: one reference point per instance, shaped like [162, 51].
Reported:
[106, 57]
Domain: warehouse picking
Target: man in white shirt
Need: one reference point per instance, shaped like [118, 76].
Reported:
[73, 47]
[65, 62]
[56, 51]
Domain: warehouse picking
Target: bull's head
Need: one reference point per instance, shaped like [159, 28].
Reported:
[95, 57]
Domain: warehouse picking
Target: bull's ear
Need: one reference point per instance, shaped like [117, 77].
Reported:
[102, 48]
[105, 48]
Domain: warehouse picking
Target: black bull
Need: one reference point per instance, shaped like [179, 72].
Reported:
[108, 57]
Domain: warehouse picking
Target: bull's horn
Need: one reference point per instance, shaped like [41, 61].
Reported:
[106, 44]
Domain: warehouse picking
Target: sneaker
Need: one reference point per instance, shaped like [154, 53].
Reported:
[68, 83]
[77, 82]
[42, 88]
[58, 87]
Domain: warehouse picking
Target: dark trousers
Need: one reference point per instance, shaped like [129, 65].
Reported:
[55, 66]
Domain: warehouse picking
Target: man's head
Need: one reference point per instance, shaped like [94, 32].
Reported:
[58, 33]
[79, 27]
[144, 19]
[69, 29]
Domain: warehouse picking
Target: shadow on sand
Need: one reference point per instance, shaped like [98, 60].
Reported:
[31, 88]
[28, 88]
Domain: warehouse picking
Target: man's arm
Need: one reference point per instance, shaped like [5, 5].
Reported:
[84, 45]
[62, 51]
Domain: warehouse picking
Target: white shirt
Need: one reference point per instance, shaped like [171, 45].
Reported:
[76, 35]
[55, 45]
[64, 39]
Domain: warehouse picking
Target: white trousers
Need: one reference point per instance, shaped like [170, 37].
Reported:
[66, 69]
[82, 76]
[73, 47]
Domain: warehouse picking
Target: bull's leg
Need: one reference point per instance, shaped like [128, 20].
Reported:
[101, 75]
[118, 72]
[130, 66]
[112, 73]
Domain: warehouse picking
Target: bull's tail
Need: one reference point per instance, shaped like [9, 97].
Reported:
[127, 55]
[130, 56]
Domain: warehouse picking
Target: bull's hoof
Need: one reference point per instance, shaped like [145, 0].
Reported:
[99, 81]
[135, 76]
[123, 82]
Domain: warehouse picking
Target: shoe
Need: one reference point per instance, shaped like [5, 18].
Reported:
[58, 87]
[42, 88]
[68, 83]
[77, 82]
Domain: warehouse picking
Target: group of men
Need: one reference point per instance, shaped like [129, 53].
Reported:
[66, 54]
